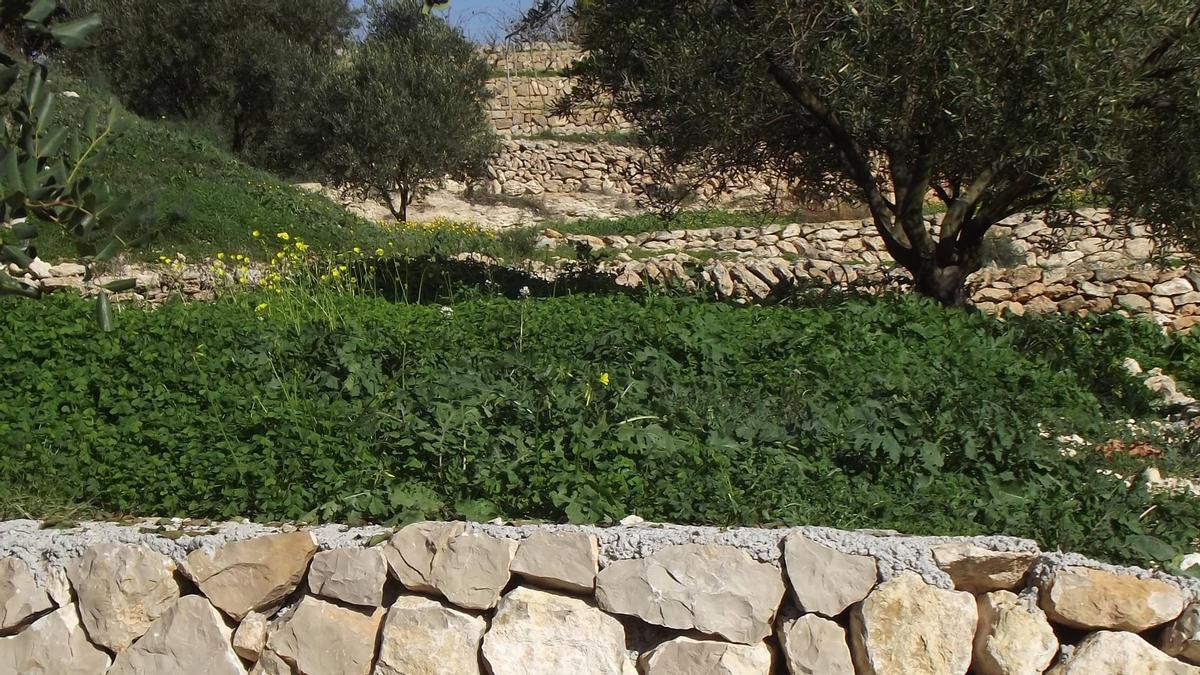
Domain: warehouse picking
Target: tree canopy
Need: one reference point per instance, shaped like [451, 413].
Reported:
[992, 107]
[403, 108]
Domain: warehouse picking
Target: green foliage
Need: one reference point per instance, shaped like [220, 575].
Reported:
[587, 408]
[587, 138]
[402, 109]
[234, 61]
[996, 106]
[206, 200]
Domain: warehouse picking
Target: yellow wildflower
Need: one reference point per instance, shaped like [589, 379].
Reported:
[220, 256]
[335, 273]
[357, 250]
[301, 246]
[262, 307]
[284, 236]
[604, 379]
[256, 234]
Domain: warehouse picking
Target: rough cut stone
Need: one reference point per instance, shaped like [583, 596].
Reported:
[565, 561]
[685, 656]
[907, 626]
[422, 636]
[321, 638]
[352, 575]
[252, 575]
[250, 637]
[711, 588]
[1080, 597]
[190, 638]
[1119, 653]
[813, 645]
[410, 552]
[472, 570]
[55, 644]
[20, 597]
[975, 569]
[824, 580]
[1174, 287]
[1182, 638]
[537, 632]
[1013, 637]
[122, 590]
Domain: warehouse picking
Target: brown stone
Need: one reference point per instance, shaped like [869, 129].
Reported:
[975, 569]
[907, 626]
[122, 590]
[252, 575]
[565, 561]
[321, 638]
[1081, 597]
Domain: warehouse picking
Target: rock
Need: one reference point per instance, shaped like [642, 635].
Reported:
[1182, 638]
[122, 590]
[252, 575]
[685, 656]
[1081, 597]
[422, 636]
[1013, 637]
[813, 645]
[321, 638]
[410, 552]
[352, 575]
[1134, 303]
[39, 268]
[20, 597]
[710, 588]
[190, 638]
[250, 637]
[67, 269]
[566, 561]
[1041, 305]
[472, 570]
[1174, 287]
[55, 644]
[1114, 653]
[537, 632]
[975, 569]
[824, 580]
[907, 626]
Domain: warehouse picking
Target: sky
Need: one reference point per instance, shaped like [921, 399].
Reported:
[482, 20]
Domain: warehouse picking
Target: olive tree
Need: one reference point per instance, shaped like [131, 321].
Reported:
[991, 107]
[403, 109]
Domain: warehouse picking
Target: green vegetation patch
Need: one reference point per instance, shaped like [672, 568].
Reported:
[586, 408]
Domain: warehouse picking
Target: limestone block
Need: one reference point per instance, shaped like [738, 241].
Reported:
[813, 645]
[252, 575]
[1119, 653]
[1182, 638]
[714, 589]
[824, 580]
[190, 638]
[539, 632]
[122, 590]
[685, 656]
[565, 561]
[1080, 597]
[975, 569]
[422, 636]
[351, 575]
[55, 644]
[907, 626]
[1013, 637]
[472, 569]
[250, 637]
[321, 638]
[20, 597]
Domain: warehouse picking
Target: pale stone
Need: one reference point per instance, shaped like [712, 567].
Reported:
[813, 645]
[410, 552]
[1119, 653]
[422, 636]
[908, 626]
[20, 597]
[1013, 637]
[250, 637]
[1182, 638]
[1135, 303]
[55, 644]
[39, 268]
[1174, 287]
[1081, 597]
[68, 269]
[824, 580]
[190, 638]
[351, 575]
[122, 590]
[566, 561]
[685, 656]
[472, 570]
[537, 632]
[975, 569]
[321, 638]
[252, 575]
[711, 588]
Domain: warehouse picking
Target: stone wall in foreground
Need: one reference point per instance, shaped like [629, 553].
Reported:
[181, 597]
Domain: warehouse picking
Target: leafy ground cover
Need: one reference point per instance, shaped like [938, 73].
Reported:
[206, 200]
[849, 413]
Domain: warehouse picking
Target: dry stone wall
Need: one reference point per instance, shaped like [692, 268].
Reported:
[521, 106]
[532, 56]
[154, 597]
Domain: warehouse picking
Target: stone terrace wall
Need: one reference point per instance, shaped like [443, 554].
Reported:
[535, 56]
[457, 598]
[521, 105]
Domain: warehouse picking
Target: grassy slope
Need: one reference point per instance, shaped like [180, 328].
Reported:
[207, 200]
